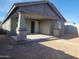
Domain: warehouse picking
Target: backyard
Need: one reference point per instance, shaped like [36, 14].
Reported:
[50, 48]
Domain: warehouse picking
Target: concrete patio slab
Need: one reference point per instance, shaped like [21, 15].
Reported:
[38, 36]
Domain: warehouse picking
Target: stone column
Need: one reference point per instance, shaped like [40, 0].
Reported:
[21, 28]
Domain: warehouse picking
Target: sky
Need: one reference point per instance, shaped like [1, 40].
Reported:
[68, 8]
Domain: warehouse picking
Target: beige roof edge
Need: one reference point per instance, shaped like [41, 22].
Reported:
[30, 3]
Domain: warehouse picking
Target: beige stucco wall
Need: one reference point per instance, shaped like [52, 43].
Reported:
[36, 26]
[44, 27]
[14, 25]
[57, 27]
[7, 25]
[28, 25]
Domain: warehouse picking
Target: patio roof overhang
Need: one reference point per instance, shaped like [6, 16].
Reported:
[37, 16]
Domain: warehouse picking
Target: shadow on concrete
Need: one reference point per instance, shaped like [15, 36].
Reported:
[6, 40]
[37, 51]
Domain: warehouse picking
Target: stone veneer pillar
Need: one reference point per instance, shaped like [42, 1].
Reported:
[21, 28]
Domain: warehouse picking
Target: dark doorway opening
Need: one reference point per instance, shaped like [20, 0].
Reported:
[32, 26]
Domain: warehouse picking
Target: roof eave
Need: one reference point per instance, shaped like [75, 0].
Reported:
[20, 4]
[58, 13]
[31, 3]
[12, 8]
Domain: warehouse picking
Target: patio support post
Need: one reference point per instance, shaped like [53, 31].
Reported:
[21, 28]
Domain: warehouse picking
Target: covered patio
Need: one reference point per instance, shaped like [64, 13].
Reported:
[33, 37]
[36, 25]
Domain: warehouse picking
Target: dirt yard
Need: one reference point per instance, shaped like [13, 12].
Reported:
[63, 48]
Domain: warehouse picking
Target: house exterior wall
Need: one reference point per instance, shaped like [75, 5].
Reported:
[60, 25]
[44, 27]
[28, 26]
[36, 26]
[62, 28]
[57, 28]
[41, 9]
[13, 25]
[45, 10]
[7, 25]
